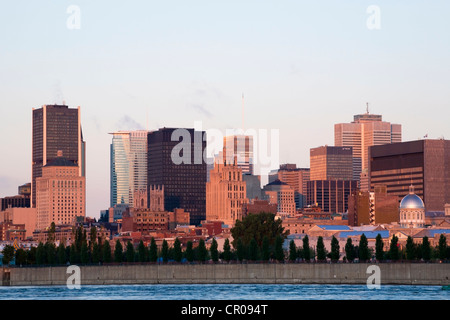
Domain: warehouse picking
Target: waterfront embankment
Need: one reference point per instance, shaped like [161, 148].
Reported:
[304, 273]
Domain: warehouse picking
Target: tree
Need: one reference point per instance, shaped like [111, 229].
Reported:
[51, 235]
[118, 252]
[253, 253]
[31, 255]
[202, 252]
[334, 254]
[306, 249]
[321, 252]
[349, 250]
[95, 253]
[257, 226]
[84, 253]
[292, 251]
[106, 252]
[240, 249]
[21, 257]
[379, 253]
[142, 251]
[8, 254]
[189, 251]
[62, 257]
[130, 252]
[393, 249]
[279, 252]
[165, 251]
[40, 254]
[73, 255]
[265, 251]
[92, 236]
[426, 249]
[363, 252]
[442, 247]
[213, 250]
[153, 253]
[227, 250]
[410, 249]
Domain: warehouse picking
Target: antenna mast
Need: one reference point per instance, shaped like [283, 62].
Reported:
[367, 107]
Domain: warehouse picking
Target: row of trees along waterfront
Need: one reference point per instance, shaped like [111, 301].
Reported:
[258, 237]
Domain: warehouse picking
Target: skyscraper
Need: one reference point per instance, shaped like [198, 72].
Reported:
[425, 164]
[56, 127]
[331, 163]
[366, 130]
[128, 165]
[175, 161]
[241, 148]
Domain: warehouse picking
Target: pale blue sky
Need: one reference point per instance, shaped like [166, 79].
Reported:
[302, 65]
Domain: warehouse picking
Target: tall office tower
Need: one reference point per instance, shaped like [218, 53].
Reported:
[296, 178]
[240, 147]
[331, 195]
[331, 163]
[225, 194]
[425, 164]
[175, 161]
[60, 193]
[56, 127]
[366, 130]
[128, 165]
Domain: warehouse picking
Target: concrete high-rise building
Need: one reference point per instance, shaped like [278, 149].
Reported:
[366, 130]
[331, 163]
[282, 194]
[225, 194]
[296, 178]
[128, 165]
[241, 148]
[60, 193]
[175, 161]
[425, 164]
[331, 195]
[56, 127]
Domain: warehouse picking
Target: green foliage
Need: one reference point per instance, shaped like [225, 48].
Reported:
[292, 251]
[202, 252]
[95, 253]
[334, 254]
[426, 249]
[130, 252]
[321, 252]
[118, 252]
[40, 254]
[349, 250]
[442, 247]
[253, 250]
[62, 257]
[257, 226]
[142, 252]
[227, 250]
[240, 249]
[189, 251]
[21, 257]
[279, 252]
[84, 253]
[379, 252]
[363, 252]
[393, 249]
[306, 250]
[410, 249]
[153, 253]
[106, 252]
[214, 251]
[8, 254]
[165, 251]
[265, 251]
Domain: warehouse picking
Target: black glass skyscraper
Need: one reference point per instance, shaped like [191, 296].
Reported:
[175, 160]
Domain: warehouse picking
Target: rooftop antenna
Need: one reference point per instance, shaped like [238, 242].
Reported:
[243, 128]
[367, 107]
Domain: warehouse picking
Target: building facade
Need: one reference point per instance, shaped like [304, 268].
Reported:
[331, 163]
[331, 195]
[60, 193]
[412, 211]
[296, 178]
[425, 164]
[225, 194]
[175, 161]
[241, 148]
[281, 194]
[366, 130]
[56, 127]
[128, 165]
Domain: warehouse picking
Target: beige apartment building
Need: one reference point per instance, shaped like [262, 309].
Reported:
[60, 193]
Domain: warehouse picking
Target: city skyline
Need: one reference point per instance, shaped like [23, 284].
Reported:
[302, 73]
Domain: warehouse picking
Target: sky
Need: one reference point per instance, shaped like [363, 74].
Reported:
[302, 66]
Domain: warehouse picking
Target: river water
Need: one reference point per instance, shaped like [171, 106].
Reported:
[226, 292]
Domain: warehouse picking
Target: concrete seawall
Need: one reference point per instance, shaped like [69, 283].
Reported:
[391, 273]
